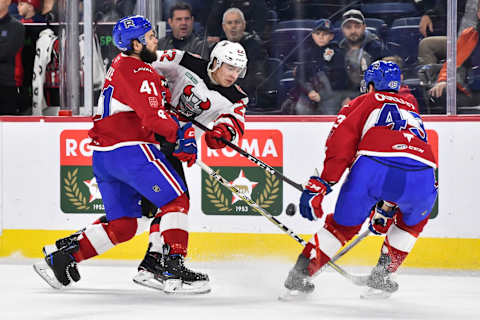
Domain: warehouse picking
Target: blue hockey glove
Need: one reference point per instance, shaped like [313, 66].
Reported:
[312, 197]
[186, 148]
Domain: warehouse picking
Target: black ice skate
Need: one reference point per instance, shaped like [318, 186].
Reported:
[168, 273]
[380, 282]
[61, 263]
[298, 280]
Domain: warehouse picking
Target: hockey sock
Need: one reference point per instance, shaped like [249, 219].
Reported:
[326, 242]
[100, 237]
[170, 226]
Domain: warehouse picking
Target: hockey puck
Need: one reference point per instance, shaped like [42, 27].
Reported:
[291, 209]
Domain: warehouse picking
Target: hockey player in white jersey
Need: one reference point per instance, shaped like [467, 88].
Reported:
[204, 90]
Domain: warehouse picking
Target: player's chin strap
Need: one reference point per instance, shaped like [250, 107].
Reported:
[250, 157]
[358, 280]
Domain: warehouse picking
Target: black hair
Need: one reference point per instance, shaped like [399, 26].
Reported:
[180, 6]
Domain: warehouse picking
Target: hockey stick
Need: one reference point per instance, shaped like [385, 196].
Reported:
[358, 280]
[257, 161]
[351, 245]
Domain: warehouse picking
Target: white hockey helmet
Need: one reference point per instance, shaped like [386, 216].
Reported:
[231, 53]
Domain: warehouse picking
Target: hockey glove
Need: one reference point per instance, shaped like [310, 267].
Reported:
[312, 197]
[381, 220]
[213, 138]
[186, 148]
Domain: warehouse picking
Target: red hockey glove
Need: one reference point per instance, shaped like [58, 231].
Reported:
[312, 197]
[381, 220]
[213, 138]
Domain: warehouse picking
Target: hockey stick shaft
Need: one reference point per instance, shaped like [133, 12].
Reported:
[250, 157]
[351, 245]
[275, 221]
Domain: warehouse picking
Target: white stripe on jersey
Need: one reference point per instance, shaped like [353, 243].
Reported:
[115, 107]
[162, 168]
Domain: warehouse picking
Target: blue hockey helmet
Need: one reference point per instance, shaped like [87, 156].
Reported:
[128, 29]
[385, 76]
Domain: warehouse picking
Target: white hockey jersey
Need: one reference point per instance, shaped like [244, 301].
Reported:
[195, 95]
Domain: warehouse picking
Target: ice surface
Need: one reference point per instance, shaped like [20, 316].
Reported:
[246, 290]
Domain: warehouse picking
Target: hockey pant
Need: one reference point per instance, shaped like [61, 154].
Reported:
[406, 182]
[123, 176]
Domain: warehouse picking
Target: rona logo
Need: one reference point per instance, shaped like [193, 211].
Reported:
[257, 183]
[79, 191]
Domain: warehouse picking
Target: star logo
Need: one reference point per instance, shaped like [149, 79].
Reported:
[244, 185]
[93, 189]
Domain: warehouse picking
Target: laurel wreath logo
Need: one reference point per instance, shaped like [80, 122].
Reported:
[215, 194]
[266, 198]
[270, 192]
[72, 191]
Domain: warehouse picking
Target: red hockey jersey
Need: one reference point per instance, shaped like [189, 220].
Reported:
[131, 107]
[380, 124]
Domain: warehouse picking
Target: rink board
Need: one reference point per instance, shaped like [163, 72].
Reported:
[40, 154]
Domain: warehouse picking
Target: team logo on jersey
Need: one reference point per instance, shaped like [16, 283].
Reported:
[328, 54]
[153, 101]
[192, 102]
[263, 187]
[79, 191]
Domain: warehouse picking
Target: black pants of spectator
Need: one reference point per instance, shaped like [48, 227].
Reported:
[9, 98]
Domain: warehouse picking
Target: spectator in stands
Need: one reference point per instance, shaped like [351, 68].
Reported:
[181, 21]
[50, 10]
[468, 72]
[322, 75]
[433, 26]
[12, 33]
[234, 26]
[253, 11]
[361, 46]
[29, 11]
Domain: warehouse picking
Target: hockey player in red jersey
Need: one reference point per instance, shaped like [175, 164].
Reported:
[382, 140]
[204, 90]
[127, 163]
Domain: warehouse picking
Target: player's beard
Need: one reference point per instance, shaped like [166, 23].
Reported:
[148, 56]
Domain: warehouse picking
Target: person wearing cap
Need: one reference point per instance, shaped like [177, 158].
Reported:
[361, 46]
[322, 74]
[29, 10]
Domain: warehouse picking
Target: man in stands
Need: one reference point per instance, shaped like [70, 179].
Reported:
[181, 21]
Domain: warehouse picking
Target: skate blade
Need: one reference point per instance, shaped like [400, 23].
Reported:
[46, 274]
[375, 294]
[178, 287]
[171, 286]
[292, 295]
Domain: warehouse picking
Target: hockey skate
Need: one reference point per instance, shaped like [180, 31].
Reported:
[59, 267]
[168, 273]
[298, 283]
[380, 283]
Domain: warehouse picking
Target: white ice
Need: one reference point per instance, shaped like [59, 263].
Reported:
[241, 289]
